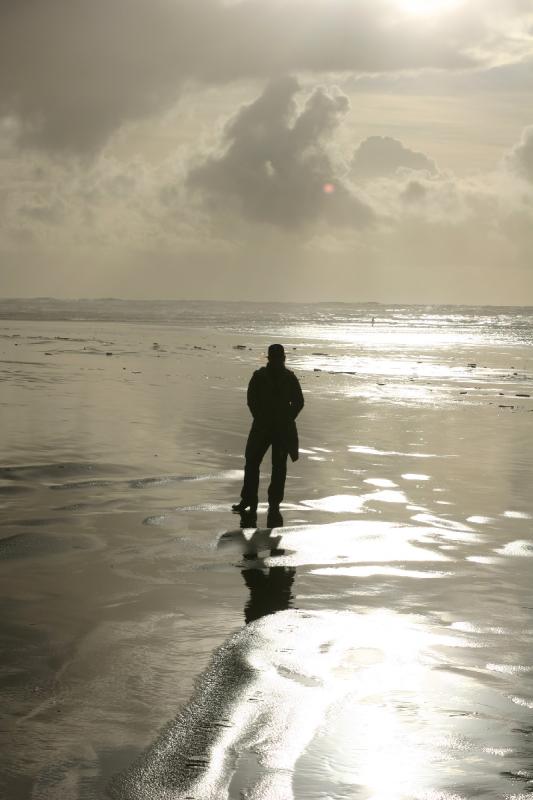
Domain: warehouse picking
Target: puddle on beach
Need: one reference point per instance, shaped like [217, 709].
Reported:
[374, 643]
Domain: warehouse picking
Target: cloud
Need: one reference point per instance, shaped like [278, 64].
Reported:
[275, 167]
[47, 213]
[246, 215]
[484, 200]
[520, 159]
[379, 156]
[74, 71]
[510, 78]
[64, 206]
[414, 192]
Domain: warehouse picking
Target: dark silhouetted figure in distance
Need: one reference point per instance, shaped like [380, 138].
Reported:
[275, 399]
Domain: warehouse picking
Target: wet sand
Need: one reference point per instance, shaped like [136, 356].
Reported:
[387, 650]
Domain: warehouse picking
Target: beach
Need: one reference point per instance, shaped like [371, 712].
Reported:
[376, 645]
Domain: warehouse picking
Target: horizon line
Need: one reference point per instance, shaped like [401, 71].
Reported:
[260, 302]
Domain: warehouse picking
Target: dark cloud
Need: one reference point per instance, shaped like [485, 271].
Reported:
[48, 213]
[414, 192]
[275, 167]
[73, 71]
[520, 158]
[381, 156]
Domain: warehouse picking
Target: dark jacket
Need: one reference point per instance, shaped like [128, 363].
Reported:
[275, 399]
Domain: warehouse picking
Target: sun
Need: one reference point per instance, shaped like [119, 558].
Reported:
[427, 8]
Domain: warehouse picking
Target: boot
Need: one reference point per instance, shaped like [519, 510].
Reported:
[240, 508]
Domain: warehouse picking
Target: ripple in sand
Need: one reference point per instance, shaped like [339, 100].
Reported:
[521, 701]
[509, 669]
[371, 451]
[136, 483]
[67, 469]
[100, 477]
[92, 484]
[382, 483]
[9, 489]
[498, 751]
[224, 475]
[387, 496]
[518, 796]
[469, 627]
[337, 503]
[442, 522]
[158, 519]
[34, 545]
[482, 559]
[521, 547]
[209, 507]
[369, 571]
[353, 504]
[516, 515]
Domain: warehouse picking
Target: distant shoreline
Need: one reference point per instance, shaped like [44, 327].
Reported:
[189, 301]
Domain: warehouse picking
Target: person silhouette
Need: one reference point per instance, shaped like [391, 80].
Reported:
[275, 399]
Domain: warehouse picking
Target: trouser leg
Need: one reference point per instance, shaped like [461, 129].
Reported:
[256, 447]
[279, 473]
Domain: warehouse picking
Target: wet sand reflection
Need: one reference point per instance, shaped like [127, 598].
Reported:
[364, 702]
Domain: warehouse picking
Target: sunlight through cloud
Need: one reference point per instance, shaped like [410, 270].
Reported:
[427, 7]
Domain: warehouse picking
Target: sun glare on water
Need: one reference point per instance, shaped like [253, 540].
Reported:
[427, 7]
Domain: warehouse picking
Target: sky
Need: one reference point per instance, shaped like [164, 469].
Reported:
[299, 150]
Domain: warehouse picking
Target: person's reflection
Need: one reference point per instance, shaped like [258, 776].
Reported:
[270, 587]
[269, 591]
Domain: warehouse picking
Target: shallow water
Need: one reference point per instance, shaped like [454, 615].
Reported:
[388, 650]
